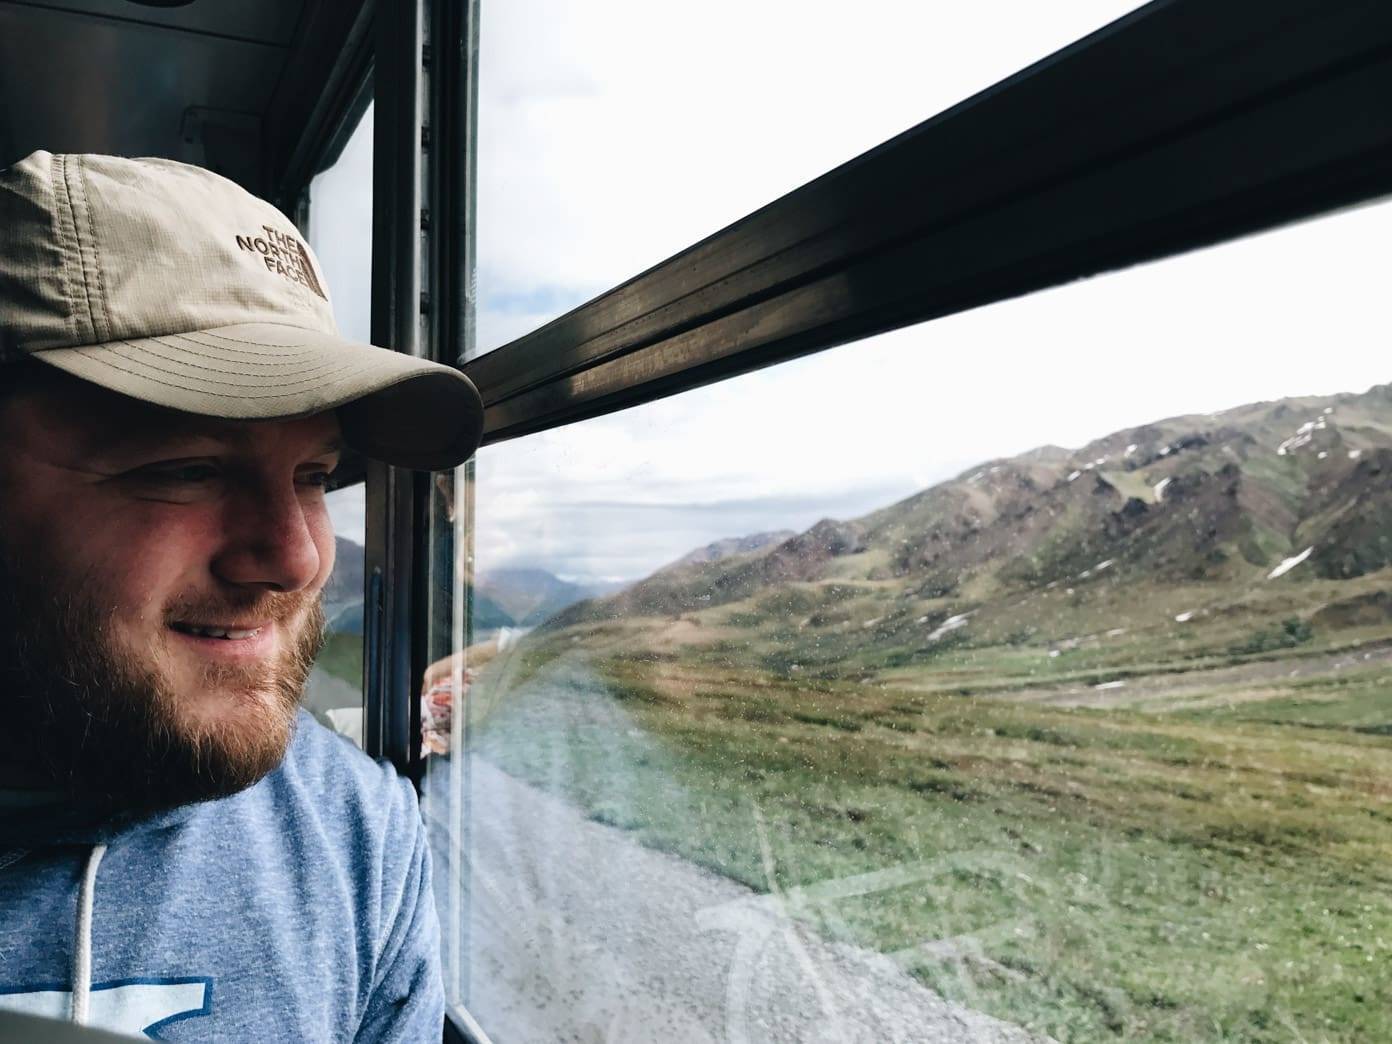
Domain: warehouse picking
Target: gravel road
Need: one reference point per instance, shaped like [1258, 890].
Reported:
[579, 933]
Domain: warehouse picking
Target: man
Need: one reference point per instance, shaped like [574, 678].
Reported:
[183, 852]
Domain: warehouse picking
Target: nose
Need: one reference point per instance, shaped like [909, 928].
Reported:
[269, 540]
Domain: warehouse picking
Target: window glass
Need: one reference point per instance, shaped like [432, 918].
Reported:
[334, 692]
[1023, 673]
[340, 232]
[614, 134]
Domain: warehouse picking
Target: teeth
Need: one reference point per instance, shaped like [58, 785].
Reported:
[220, 632]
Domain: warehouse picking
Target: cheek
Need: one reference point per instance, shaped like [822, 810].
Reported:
[151, 570]
[137, 568]
[96, 545]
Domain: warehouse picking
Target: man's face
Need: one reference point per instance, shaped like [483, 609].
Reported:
[161, 577]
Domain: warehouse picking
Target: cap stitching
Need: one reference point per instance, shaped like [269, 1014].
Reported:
[55, 182]
[96, 251]
[186, 343]
[245, 340]
[77, 246]
[144, 349]
[234, 340]
[211, 352]
[218, 395]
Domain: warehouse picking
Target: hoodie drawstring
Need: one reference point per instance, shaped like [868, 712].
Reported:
[82, 940]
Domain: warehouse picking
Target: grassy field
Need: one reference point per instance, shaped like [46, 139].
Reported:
[1209, 862]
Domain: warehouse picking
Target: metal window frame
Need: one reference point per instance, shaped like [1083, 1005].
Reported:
[319, 103]
[422, 304]
[392, 496]
[423, 220]
[462, 1028]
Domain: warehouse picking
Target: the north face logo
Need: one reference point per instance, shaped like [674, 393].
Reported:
[284, 255]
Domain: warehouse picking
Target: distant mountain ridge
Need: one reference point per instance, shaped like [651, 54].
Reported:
[502, 597]
[1221, 499]
[718, 549]
[528, 596]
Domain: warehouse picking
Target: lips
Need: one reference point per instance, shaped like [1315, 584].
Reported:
[232, 634]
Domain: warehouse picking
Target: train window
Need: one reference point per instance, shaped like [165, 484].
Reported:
[340, 224]
[605, 143]
[1020, 673]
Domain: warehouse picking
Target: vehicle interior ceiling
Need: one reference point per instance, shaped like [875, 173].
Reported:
[252, 90]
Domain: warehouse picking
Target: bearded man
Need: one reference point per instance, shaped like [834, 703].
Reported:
[183, 851]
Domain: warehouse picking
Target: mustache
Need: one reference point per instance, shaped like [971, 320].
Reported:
[265, 607]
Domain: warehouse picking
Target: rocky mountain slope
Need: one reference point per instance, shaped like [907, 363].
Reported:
[1212, 510]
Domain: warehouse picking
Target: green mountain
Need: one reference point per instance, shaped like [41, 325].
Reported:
[1194, 535]
[719, 549]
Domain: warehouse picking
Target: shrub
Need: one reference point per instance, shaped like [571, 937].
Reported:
[1293, 631]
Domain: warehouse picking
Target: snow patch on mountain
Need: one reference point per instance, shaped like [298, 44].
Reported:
[1288, 564]
[1303, 436]
[952, 623]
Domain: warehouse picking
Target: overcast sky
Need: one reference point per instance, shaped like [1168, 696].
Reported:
[614, 134]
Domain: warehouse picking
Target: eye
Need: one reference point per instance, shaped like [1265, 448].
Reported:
[182, 473]
[316, 479]
[316, 474]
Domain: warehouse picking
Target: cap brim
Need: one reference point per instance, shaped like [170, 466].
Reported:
[393, 407]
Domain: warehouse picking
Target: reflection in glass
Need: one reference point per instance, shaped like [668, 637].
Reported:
[617, 133]
[1024, 673]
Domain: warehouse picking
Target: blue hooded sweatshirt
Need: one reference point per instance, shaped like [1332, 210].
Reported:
[297, 910]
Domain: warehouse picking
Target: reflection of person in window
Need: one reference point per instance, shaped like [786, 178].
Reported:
[446, 679]
[173, 397]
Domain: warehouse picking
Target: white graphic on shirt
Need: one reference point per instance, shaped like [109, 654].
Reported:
[131, 1007]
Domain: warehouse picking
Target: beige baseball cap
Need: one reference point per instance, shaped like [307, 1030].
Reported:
[172, 285]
